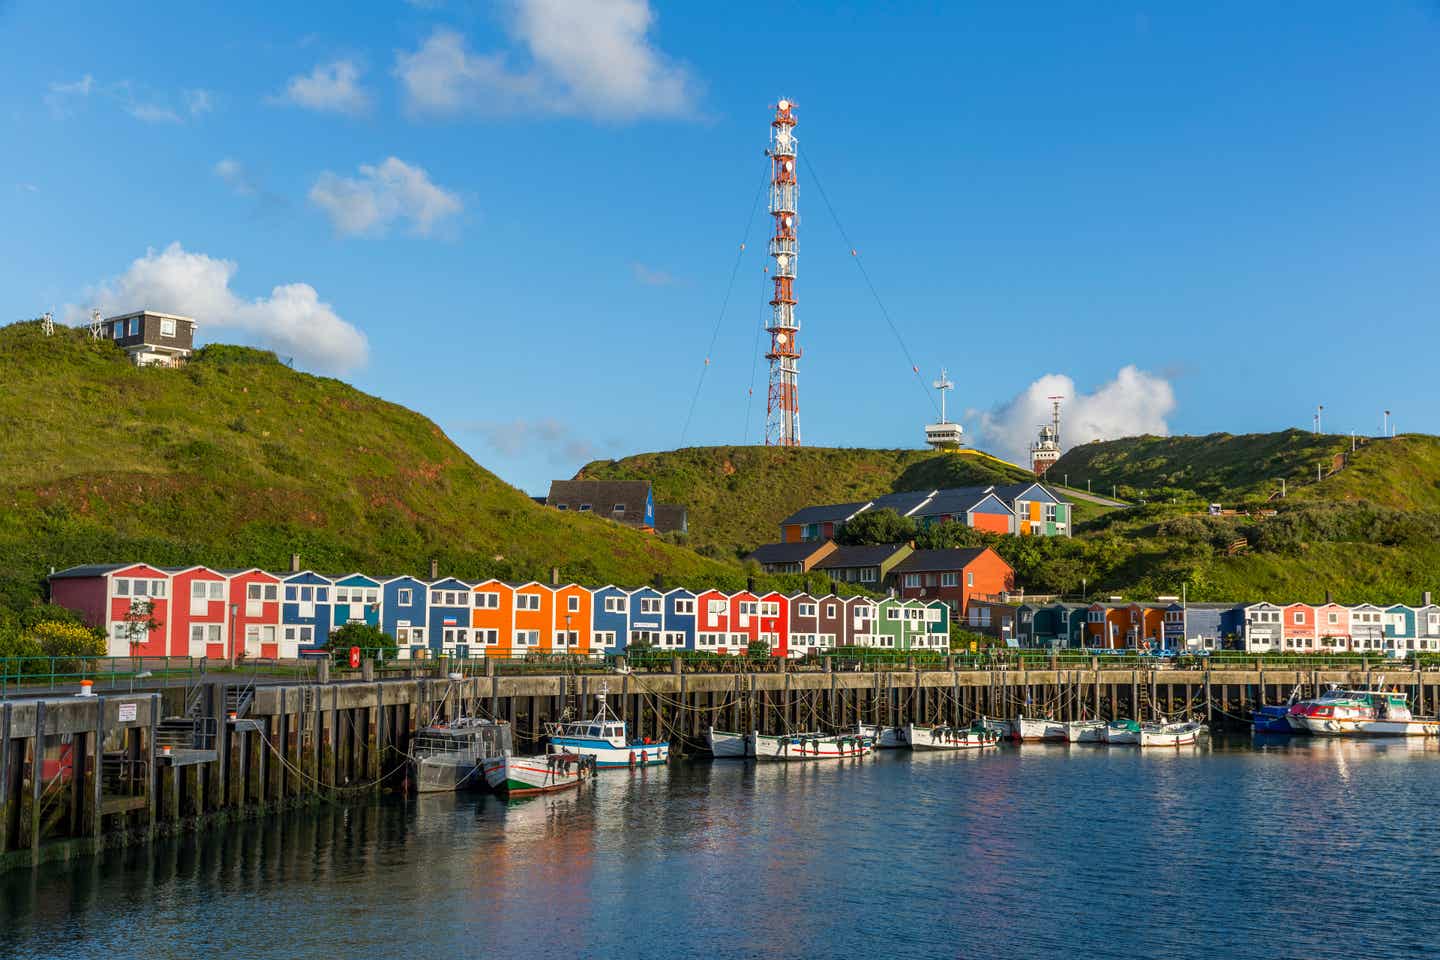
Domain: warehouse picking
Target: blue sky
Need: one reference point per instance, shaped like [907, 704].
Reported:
[520, 218]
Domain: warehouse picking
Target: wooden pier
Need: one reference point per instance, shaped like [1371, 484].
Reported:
[80, 773]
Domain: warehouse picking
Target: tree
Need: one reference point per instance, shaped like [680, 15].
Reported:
[68, 643]
[366, 636]
[139, 621]
[757, 650]
[952, 536]
[875, 527]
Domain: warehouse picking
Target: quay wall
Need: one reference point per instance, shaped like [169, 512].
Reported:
[81, 773]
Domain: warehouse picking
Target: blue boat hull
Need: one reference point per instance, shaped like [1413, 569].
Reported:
[1270, 720]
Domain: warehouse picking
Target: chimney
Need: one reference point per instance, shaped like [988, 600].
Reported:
[1425, 599]
[660, 582]
[1327, 597]
[294, 563]
[554, 576]
[750, 584]
[434, 569]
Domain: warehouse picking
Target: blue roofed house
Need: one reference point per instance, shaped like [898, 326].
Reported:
[609, 619]
[357, 600]
[679, 623]
[1401, 630]
[1196, 626]
[305, 611]
[449, 617]
[404, 602]
[647, 620]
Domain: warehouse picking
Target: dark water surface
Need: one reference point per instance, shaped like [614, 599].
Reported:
[1304, 849]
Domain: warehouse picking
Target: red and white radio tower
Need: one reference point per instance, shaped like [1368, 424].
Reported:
[782, 410]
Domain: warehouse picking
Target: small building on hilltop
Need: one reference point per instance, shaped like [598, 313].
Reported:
[631, 502]
[867, 566]
[1027, 509]
[798, 557]
[150, 338]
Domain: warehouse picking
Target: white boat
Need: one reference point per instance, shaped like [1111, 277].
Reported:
[725, 745]
[1170, 734]
[1361, 713]
[514, 776]
[813, 746]
[973, 737]
[1122, 732]
[1085, 731]
[1028, 729]
[448, 755]
[605, 738]
[1001, 728]
[886, 738]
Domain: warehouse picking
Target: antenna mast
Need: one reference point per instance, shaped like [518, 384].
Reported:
[944, 434]
[95, 328]
[782, 408]
[47, 323]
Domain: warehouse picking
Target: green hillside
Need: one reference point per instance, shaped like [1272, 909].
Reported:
[237, 460]
[737, 496]
[1218, 466]
[1402, 473]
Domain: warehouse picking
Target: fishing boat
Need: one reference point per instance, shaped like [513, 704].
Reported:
[1275, 718]
[1001, 728]
[1029, 729]
[447, 756]
[1164, 734]
[1085, 731]
[886, 738]
[973, 737]
[605, 738]
[725, 745]
[813, 746]
[514, 776]
[1361, 713]
[1122, 732]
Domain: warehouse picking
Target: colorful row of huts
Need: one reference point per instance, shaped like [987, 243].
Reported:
[1396, 629]
[197, 611]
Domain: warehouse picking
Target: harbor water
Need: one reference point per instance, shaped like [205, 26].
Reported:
[1303, 848]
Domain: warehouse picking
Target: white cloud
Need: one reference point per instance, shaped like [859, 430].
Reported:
[652, 276]
[236, 177]
[594, 58]
[146, 108]
[559, 443]
[293, 320]
[61, 94]
[1134, 402]
[333, 87]
[382, 194]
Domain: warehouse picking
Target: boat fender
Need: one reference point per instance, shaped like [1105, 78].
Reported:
[644, 757]
[632, 758]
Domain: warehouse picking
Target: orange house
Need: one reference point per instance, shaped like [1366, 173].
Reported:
[1298, 622]
[1152, 623]
[571, 628]
[534, 619]
[492, 619]
[1113, 626]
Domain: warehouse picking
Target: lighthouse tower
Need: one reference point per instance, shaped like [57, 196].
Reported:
[782, 408]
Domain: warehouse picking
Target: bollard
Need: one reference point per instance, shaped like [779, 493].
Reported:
[322, 671]
[367, 670]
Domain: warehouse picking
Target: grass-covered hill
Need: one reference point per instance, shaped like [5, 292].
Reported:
[1218, 466]
[238, 460]
[737, 496]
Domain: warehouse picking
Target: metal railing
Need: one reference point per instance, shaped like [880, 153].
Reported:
[43, 674]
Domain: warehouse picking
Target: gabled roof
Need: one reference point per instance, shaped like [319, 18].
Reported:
[932, 560]
[787, 552]
[827, 513]
[92, 570]
[844, 557]
[602, 495]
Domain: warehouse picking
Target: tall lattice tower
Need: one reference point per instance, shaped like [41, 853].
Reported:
[782, 409]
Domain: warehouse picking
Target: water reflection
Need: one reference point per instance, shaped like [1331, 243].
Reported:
[1013, 851]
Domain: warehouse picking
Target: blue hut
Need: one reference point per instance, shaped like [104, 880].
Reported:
[305, 611]
[449, 619]
[679, 622]
[609, 619]
[403, 602]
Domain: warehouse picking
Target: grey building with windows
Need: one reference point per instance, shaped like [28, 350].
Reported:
[150, 338]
